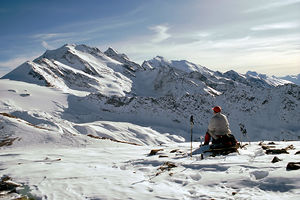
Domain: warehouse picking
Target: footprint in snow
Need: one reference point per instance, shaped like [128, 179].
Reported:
[196, 177]
[259, 174]
[24, 95]
[123, 167]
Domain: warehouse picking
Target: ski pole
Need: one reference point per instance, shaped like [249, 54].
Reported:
[192, 124]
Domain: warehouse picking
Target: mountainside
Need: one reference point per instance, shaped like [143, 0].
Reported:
[160, 94]
[75, 67]
[122, 58]
[293, 78]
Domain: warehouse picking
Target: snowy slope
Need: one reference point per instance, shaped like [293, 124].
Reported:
[251, 77]
[109, 170]
[41, 110]
[266, 80]
[75, 67]
[182, 65]
[293, 78]
[122, 58]
[273, 115]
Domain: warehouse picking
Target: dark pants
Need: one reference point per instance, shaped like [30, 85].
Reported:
[221, 141]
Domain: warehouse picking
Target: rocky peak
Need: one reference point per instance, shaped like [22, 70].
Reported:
[122, 58]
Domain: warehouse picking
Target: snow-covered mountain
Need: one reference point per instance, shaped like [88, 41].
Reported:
[162, 94]
[75, 67]
[122, 58]
[266, 80]
[292, 78]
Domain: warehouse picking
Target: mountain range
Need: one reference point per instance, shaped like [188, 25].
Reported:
[293, 78]
[161, 94]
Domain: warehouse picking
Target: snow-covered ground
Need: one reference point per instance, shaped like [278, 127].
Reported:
[36, 112]
[109, 170]
[53, 158]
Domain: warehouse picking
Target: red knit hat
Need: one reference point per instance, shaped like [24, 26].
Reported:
[217, 109]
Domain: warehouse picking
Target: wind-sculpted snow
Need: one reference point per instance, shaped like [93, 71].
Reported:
[109, 170]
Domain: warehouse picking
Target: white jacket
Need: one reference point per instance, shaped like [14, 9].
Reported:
[218, 125]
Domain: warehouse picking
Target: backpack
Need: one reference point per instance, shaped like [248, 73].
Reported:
[225, 141]
[229, 140]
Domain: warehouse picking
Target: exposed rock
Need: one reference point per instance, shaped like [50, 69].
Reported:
[276, 159]
[111, 139]
[271, 143]
[176, 151]
[7, 141]
[8, 190]
[276, 151]
[163, 156]
[290, 147]
[265, 147]
[293, 166]
[167, 166]
[154, 152]
[7, 186]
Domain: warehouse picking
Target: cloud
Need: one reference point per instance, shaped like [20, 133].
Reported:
[54, 36]
[83, 31]
[273, 5]
[45, 36]
[241, 52]
[284, 25]
[46, 45]
[203, 34]
[160, 33]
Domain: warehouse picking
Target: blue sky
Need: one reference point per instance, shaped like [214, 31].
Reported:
[257, 35]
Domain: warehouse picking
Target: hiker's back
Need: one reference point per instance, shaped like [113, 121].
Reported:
[218, 125]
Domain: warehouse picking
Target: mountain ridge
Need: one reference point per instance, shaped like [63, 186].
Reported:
[162, 94]
[293, 78]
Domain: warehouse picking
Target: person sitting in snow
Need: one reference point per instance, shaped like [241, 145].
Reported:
[218, 130]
